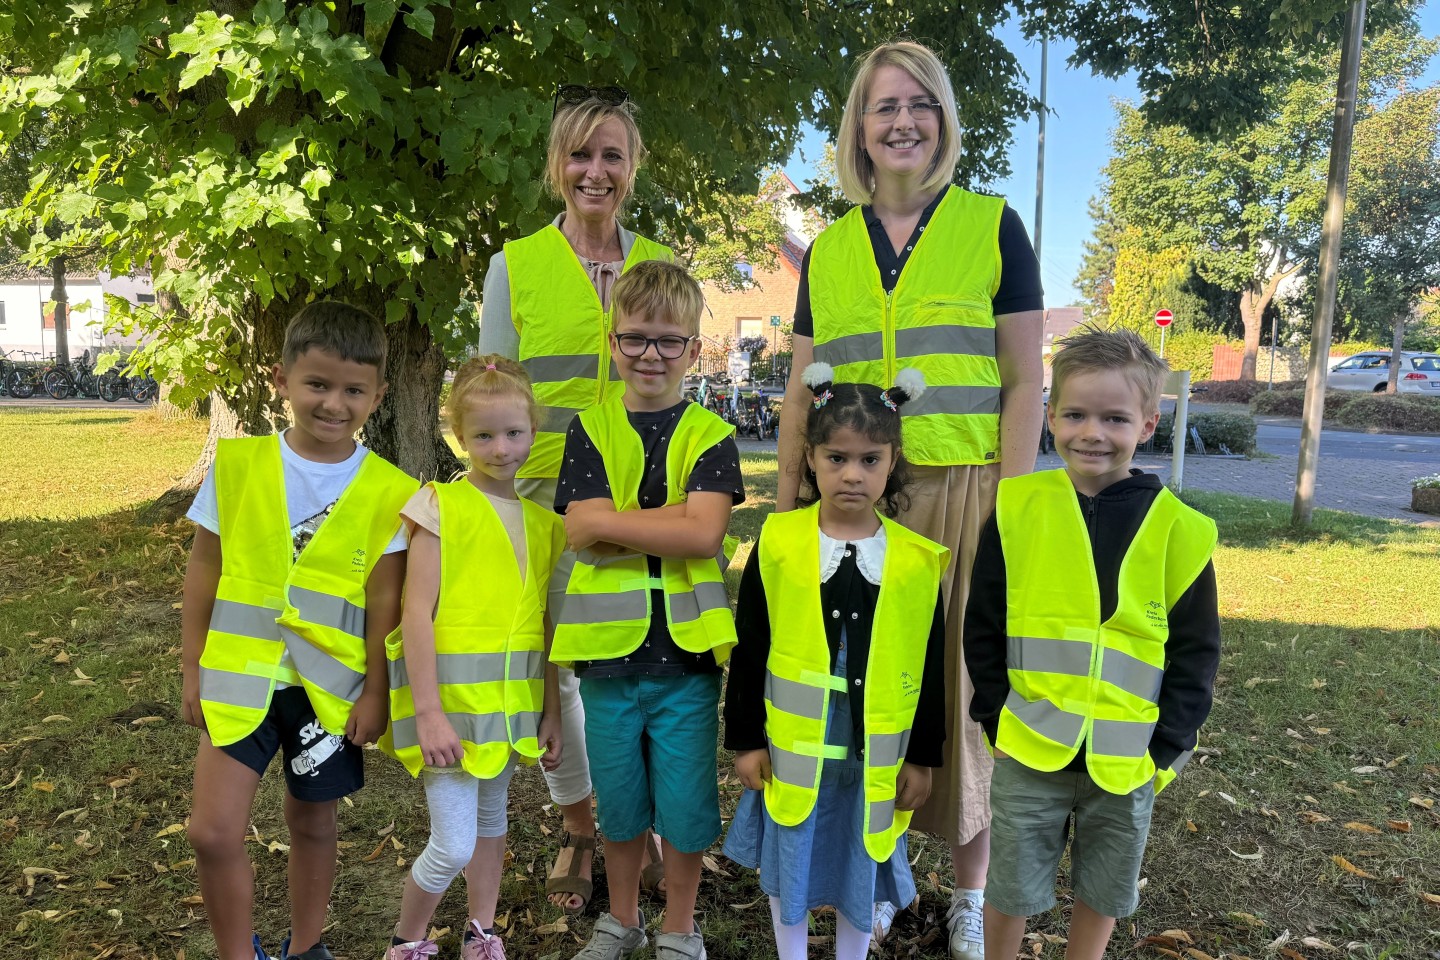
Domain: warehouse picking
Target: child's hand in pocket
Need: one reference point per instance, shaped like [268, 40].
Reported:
[753, 768]
[912, 786]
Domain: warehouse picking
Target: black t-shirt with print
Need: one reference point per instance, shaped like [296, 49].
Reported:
[583, 477]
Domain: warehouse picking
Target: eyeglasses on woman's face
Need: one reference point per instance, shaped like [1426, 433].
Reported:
[920, 109]
[669, 348]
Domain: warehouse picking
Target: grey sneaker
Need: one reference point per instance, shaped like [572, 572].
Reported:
[966, 922]
[612, 940]
[680, 946]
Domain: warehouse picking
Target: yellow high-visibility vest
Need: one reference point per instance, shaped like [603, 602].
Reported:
[489, 635]
[607, 600]
[564, 335]
[798, 681]
[1074, 678]
[267, 602]
[937, 319]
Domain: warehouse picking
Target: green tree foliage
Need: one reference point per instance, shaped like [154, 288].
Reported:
[257, 155]
[1248, 205]
[740, 230]
[1095, 280]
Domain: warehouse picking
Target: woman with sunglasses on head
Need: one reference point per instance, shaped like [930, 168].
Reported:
[924, 274]
[546, 303]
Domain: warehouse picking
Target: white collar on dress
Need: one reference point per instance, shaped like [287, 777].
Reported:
[869, 555]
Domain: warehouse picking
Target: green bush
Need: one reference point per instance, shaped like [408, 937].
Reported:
[1194, 352]
[1234, 431]
[1227, 391]
[1291, 403]
[1391, 412]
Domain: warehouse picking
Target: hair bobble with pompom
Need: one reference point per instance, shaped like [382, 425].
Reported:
[818, 377]
[909, 385]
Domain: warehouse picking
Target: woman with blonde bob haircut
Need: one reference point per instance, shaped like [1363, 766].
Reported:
[923, 274]
[547, 304]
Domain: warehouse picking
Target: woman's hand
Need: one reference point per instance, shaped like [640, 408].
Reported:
[439, 744]
[912, 786]
[753, 768]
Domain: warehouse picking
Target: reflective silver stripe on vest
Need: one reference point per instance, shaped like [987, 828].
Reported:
[688, 606]
[954, 400]
[478, 728]
[794, 697]
[855, 348]
[888, 749]
[1043, 655]
[793, 768]
[328, 610]
[1046, 719]
[244, 620]
[321, 669]
[1181, 760]
[946, 339]
[474, 668]
[556, 419]
[1131, 674]
[1120, 738]
[882, 815]
[579, 366]
[236, 689]
[525, 726]
[583, 608]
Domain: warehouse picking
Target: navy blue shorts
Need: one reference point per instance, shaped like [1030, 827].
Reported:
[319, 766]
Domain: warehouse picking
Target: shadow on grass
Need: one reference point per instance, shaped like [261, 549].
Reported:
[1254, 522]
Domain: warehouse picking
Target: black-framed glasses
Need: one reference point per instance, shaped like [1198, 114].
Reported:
[634, 345]
[919, 109]
[576, 93]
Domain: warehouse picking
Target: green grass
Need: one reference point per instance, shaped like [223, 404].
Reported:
[1332, 640]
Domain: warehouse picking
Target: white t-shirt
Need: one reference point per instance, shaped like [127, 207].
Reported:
[311, 491]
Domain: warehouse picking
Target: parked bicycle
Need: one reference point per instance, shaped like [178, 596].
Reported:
[25, 376]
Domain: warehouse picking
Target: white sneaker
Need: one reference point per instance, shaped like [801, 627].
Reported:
[880, 924]
[966, 921]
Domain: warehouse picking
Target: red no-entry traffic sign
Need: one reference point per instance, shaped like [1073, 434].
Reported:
[1163, 318]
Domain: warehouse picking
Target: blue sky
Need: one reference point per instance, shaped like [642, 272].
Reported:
[1077, 135]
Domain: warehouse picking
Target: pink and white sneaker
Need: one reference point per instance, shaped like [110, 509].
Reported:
[414, 950]
[480, 945]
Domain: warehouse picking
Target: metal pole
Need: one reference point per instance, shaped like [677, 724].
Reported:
[1329, 264]
[1162, 342]
[1179, 427]
[1040, 146]
[1270, 382]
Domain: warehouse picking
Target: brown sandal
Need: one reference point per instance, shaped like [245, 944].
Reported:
[654, 875]
[570, 882]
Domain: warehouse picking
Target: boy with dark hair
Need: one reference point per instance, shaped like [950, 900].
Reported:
[646, 485]
[293, 582]
[1092, 637]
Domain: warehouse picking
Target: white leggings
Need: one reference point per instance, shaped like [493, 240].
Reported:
[793, 942]
[462, 809]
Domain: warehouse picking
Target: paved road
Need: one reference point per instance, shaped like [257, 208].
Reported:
[1367, 473]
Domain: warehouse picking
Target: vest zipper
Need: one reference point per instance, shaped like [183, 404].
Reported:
[889, 331]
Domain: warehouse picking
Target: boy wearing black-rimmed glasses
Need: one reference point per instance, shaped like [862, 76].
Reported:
[646, 485]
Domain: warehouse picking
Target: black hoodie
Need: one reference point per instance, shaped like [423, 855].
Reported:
[1192, 651]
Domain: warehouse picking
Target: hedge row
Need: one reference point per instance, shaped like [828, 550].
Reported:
[1234, 431]
[1404, 412]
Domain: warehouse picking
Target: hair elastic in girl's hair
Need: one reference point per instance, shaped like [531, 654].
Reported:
[489, 366]
[818, 377]
[909, 384]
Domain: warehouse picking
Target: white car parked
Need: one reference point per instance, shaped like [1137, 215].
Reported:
[1419, 373]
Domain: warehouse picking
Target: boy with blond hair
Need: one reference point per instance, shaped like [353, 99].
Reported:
[1092, 637]
[293, 582]
[647, 484]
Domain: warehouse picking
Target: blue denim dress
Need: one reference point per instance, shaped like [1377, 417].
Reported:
[822, 861]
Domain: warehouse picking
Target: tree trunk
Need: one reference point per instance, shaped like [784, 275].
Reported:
[406, 428]
[172, 504]
[61, 297]
[1252, 314]
[1393, 384]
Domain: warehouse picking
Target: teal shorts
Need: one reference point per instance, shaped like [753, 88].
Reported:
[1032, 814]
[652, 747]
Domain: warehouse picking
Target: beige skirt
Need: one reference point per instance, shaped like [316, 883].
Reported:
[950, 506]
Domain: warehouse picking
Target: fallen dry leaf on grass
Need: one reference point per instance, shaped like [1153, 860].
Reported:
[1424, 803]
[1257, 855]
[1366, 769]
[1361, 827]
[1349, 867]
[1254, 682]
[1402, 826]
[1248, 919]
[1315, 943]
[172, 829]
[1431, 898]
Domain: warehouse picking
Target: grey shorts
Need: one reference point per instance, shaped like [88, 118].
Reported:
[1032, 813]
